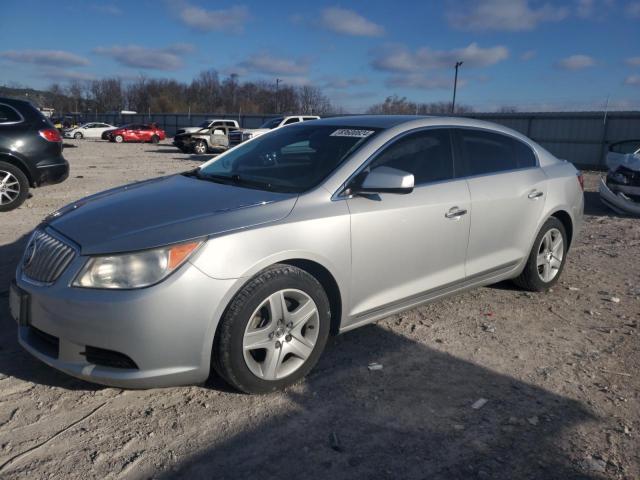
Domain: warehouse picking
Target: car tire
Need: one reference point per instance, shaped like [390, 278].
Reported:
[77, 135]
[293, 343]
[200, 147]
[155, 139]
[547, 258]
[118, 139]
[14, 187]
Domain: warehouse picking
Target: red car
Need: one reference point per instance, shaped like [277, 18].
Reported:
[137, 133]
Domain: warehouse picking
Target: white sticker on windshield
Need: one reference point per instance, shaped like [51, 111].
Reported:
[349, 132]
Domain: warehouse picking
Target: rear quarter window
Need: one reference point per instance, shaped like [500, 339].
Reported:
[9, 115]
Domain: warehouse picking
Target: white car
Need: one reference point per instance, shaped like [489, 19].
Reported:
[88, 130]
[239, 136]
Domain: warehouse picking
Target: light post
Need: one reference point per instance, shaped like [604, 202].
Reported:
[455, 87]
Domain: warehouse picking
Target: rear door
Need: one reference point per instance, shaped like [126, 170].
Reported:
[508, 191]
[405, 245]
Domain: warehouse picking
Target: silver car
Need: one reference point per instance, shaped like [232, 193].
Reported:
[247, 264]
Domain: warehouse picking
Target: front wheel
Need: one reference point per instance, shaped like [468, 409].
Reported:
[14, 187]
[77, 135]
[547, 258]
[200, 147]
[119, 139]
[273, 332]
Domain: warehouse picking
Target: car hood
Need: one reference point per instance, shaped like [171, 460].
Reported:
[165, 210]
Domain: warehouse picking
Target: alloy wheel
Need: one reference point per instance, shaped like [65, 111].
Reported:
[200, 148]
[9, 188]
[281, 334]
[550, 254]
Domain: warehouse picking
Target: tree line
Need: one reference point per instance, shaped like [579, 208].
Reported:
[206, 93]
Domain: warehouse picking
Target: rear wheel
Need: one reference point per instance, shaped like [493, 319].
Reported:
[14, 187]
[119, 139]
[155, 139]
[200, 147]
[547, 258]
[273, 332]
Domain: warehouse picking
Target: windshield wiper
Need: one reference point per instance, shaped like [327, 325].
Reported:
[234, 179]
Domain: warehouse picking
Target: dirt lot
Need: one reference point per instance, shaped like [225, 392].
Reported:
[559, 372]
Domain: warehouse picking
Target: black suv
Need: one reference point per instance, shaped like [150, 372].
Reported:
[30, 152]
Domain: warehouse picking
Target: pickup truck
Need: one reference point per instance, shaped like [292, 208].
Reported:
[238, 136]
[209, 135]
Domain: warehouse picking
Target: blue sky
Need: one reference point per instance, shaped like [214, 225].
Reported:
[535, 55]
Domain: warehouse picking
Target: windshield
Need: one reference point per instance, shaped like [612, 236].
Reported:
[204, 124]
[293, 159]
[273, 123]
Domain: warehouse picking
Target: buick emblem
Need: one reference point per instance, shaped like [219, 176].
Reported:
[29, 253]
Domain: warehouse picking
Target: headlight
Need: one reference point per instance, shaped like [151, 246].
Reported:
[134, 270]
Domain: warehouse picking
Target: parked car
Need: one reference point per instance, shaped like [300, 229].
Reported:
[240, 136]
[208, 125]
[210, 139]
[136, 133]
[88, 130]
[620, 189]
[250, 261]
[30, 152]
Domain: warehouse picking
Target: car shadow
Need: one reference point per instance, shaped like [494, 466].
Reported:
[14, 360]
[411, 419]
[594, 206]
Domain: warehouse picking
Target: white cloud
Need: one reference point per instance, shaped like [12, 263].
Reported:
[56, 58]
[633, 61]
[528, 55]
[336, 82]
[576, 62]
[231, 19]
[397, 58]
[632, 80]
[633, 9]
[423, 81]
[135, 56]
[266, 63]
[57, 73]
[584, 8]
[506, 15]
[107, 8]
[348, 22]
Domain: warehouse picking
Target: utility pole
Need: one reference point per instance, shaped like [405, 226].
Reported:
[455, 87]
[277, 99]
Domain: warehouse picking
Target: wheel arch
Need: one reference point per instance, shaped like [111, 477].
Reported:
[329, 284]
[15, 161]
[567, 223]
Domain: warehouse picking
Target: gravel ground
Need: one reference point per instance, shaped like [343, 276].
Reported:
[558, 371]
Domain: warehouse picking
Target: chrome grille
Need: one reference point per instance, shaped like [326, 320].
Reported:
[46, 257]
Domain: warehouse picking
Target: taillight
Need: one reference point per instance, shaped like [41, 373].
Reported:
[580, 180]
[50, 135]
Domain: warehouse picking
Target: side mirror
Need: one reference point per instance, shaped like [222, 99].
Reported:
[386, 180]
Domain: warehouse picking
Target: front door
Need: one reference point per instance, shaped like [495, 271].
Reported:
[406, 245]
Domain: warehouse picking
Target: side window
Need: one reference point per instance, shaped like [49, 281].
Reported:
[292, 120]
[426, 154]
[8, 115]
[230, 124]
[487, 152]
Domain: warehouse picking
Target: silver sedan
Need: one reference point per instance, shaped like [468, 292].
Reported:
[247, 264]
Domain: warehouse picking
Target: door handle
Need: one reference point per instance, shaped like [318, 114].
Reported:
[455, 213]
[535, 194]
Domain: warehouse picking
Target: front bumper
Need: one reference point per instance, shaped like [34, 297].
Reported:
[617, 202]
[166, 330]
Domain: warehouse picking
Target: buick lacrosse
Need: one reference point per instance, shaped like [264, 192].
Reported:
[248, 263]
